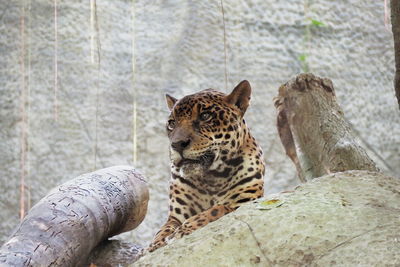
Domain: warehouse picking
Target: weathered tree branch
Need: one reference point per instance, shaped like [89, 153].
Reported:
[112, 253]
[64, 227]
[395, 18]
[313, 130]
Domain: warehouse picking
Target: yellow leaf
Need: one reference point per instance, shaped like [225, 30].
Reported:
[269, 202]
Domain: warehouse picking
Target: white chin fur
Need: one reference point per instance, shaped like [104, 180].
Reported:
[175, 156]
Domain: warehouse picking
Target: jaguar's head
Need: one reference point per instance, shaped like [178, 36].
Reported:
[206, 126]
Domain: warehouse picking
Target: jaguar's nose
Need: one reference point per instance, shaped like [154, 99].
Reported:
[180, 145]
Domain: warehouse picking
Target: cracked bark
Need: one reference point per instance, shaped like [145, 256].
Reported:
[313, 130]
[112, 253]
[67, 224]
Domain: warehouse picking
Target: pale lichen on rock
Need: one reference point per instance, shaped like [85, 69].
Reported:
[347, 218]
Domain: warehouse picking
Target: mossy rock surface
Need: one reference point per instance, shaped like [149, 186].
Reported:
[345, 219]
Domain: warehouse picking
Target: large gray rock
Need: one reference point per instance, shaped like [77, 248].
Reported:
[344, 219]
[149, 48]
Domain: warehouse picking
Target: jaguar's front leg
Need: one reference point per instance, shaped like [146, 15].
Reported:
[200, 220]
[166, 230]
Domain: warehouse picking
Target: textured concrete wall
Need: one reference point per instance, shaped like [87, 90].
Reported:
[144, 49]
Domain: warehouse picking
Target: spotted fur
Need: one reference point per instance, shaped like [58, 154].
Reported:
[216, 164]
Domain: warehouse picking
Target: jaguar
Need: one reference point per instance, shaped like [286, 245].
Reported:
[216, 164]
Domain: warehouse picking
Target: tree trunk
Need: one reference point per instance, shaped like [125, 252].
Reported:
[395, 18]
[64, 227]
[313, 130]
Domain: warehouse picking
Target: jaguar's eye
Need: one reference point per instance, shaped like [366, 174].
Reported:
[205, 116]
[171, 125]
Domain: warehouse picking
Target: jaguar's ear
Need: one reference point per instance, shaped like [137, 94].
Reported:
[170, 101]
[240, 96]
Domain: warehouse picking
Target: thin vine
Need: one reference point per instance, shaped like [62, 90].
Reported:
[225, 57]
[310, 23]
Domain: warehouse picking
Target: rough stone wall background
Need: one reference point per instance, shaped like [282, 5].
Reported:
[144, 49]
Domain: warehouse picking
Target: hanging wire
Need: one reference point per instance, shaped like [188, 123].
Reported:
[28, 163]
[307, 38]
[55, 62]
[386, 16]
[223, 23]
[92, 27]
[92, 34]
[94, 23]
[98, 44]
[134, 96]
[23, 116]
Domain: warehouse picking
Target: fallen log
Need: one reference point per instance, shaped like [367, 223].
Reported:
[64, 227]
[110, 253]
[313, 130]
